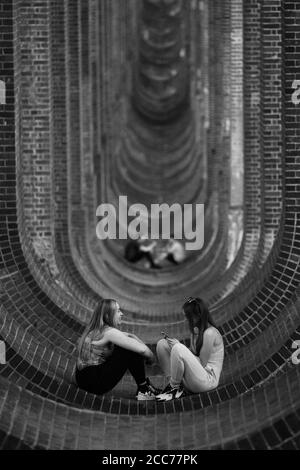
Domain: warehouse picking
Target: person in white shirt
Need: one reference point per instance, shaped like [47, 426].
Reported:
[198, 368]
[176, 251]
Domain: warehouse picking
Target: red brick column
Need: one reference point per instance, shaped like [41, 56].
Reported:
[69, 277]
[73, 109]
[59, 124]
[95, 64]
[272, 129]
[200, 81]
[103, 114]
[291, 71]
[34, 158]
[252, 104]
[218, 150]
[86, 105]
[7, 136]
[237, 104]
[214, 37]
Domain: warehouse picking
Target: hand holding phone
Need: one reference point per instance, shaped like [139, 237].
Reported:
[171, 341]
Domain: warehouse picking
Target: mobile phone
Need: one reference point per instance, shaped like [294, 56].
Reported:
[164, 334]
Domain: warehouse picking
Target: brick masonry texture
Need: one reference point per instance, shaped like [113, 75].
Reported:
[70, 139]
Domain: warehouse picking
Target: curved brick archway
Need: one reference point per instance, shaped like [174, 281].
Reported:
[75, 131]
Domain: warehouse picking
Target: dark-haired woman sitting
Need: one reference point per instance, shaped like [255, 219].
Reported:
[105, 353]
[197, 369]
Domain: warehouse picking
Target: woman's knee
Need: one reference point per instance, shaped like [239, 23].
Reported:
[179, 349]
[162, 346]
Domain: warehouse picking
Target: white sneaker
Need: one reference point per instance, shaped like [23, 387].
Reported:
[165, 391]
[170, 394]
[143, 396]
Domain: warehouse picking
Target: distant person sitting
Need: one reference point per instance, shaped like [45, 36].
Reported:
[136, 250]
[175, 251]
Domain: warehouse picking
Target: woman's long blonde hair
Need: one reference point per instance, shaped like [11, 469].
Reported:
[104, 315]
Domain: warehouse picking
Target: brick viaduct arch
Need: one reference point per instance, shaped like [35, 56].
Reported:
[75, 132]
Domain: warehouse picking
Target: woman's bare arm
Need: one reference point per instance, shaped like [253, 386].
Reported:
[131, 335]
[121, 339]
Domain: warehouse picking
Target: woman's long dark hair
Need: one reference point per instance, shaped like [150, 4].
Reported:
[103, 315]
[197, 314]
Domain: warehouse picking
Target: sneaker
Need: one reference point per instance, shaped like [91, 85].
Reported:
[146, 392]
[153, 389]
[170, 393]
[145, 395]
[167, 389]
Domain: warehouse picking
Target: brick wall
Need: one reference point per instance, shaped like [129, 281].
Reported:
[86, 97]
[72, 57]
[252, 104]
[258, 410]
[271, 123]
[236, 104]
[291, 15]
[35, 119]
[7, 134]
[59, 124]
